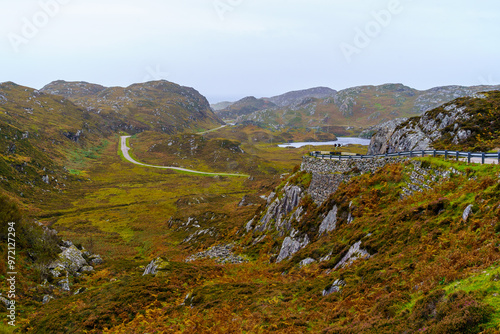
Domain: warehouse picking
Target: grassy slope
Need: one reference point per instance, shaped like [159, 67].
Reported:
[429, 265]
[427, 260]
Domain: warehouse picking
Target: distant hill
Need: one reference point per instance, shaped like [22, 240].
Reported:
[251, 104]
[244, 107]
[359, 107]
[158, 105]
[221, 105]
[47, 135]
[297, 97]
[37, 133]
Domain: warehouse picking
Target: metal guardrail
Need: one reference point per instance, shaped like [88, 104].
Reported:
[411, 154]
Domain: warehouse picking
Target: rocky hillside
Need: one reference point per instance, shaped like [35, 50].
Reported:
[358, 107]
[248, 105]
[382, 236]
[40, 134]
[470, 123]
[158, 105]
[243, 107]
[296, 97]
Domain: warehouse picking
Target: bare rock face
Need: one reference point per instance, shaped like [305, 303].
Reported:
[383, 134]
[156, 266]
[291, 246]
[330, 222]
[419, 133]
[354, 253]
[280, 208]
[336, 287]
[467, 212]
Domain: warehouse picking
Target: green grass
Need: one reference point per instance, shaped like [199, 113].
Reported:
[487, 284]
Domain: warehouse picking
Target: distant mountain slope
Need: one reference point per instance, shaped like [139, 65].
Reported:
[221, 105]
[468, 123]
[37, 131]
[361, 106]
[158, 105]
[295, 97]
[244, 107]
[251, 104]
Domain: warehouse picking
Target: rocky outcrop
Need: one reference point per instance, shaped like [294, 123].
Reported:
[279, 209]
[467, 212]
[291, 246]
[383, 134]
[330, 222]
[354, 253]
[420, 133]
[221, 254]
[155, 266]
[306, 262]
[336, 287]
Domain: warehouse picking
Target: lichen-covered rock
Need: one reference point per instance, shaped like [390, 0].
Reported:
[95, 259]
[467, 212]
[72, 259]
[47, 298]
[336, 287]
[383, 134]
[57, 269]
[222, 254]
[86, 269]
[155, 266]
[280, 208]
[5, 301]
[64, 284]
[291, 246]
[420, 133]
[330, 222]
[354, 253]
[306, 262]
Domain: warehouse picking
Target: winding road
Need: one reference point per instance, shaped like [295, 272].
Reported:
[125, 150]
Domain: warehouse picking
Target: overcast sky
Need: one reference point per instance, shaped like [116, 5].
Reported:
[228, 49]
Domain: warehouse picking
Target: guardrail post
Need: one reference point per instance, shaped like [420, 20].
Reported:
[468, 157]
[434, 153]
[499, 157]
[423, 153]
[482, 158]
[445, 155]
[457, 155]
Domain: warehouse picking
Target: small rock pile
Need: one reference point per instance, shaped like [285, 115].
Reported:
[221, 254]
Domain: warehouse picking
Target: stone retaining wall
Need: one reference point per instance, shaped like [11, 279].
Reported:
[328, 175]
[326, 166]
